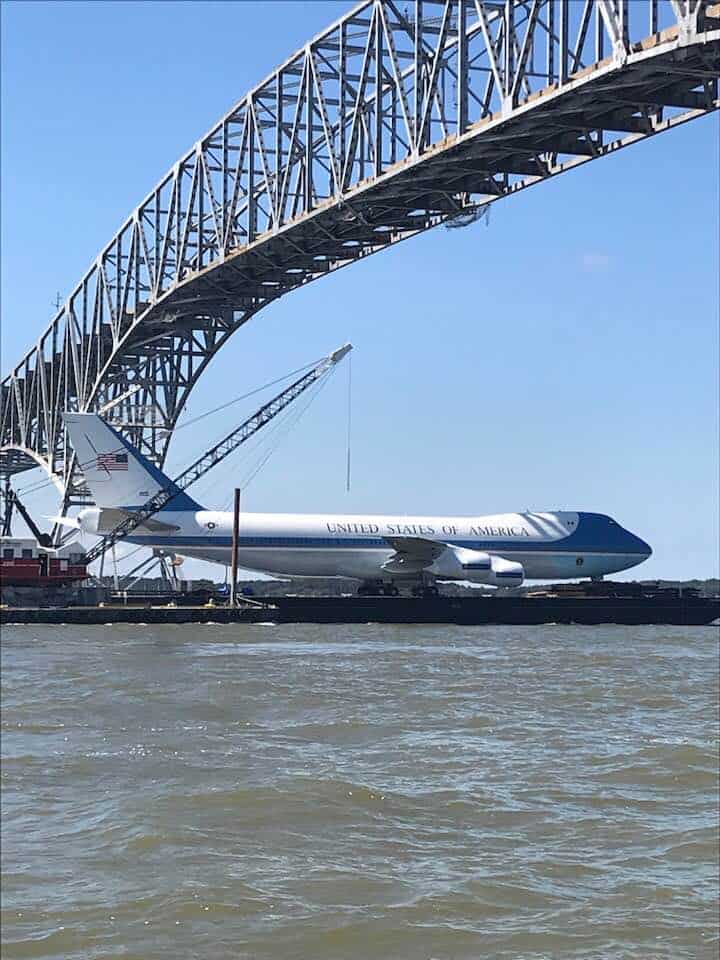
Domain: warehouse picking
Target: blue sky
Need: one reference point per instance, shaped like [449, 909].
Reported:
[565, 355]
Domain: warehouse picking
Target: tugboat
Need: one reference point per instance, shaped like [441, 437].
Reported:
[25, 563]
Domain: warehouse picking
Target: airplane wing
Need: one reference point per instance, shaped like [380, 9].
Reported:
[111, 516]
[412, 554]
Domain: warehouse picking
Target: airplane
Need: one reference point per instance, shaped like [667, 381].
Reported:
[382, 551]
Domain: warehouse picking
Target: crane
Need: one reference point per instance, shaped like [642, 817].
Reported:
[216, 454]
[12, 500]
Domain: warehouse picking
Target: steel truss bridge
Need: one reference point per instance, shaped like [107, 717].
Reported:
[399, 117]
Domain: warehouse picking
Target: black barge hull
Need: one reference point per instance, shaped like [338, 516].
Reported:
[679, 610]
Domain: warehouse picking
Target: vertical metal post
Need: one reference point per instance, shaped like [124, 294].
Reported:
[7, 507]
[378, 94]
[551, 42]
[102, 562]
[341, 96]
[508, 59]
[252, 207]
[418, 74]
[462, 74]
[599, 36]
[361, 141]
[116, 583]
[177, 194]
[201, 187]
[224, 194]
[235, 539]
[279, 114]
[625, 23]
[309, 115]
[157, 250]
[393, 122]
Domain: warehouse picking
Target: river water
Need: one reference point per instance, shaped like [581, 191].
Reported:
[314, 792]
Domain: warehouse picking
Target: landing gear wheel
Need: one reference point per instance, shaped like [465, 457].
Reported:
[431, 592]
[391, 591]
[375, 590]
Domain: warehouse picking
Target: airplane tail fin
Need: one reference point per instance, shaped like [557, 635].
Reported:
[116, 472]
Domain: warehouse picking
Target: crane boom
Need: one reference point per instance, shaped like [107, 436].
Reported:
[212, 457]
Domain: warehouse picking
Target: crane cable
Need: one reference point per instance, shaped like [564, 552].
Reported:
[349, 424]
[244, 396]
[273, 438]
[285, 427]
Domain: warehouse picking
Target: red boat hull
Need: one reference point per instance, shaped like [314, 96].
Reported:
[30, 573]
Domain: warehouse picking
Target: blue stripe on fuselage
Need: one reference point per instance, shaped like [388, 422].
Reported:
[370, 543]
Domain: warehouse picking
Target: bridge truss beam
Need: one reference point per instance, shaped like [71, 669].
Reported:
[395, 119]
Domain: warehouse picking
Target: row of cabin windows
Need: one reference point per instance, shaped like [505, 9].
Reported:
[9, 553]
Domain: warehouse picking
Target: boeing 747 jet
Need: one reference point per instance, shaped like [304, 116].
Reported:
[382, 551]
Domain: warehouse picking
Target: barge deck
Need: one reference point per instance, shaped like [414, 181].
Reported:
[676, 608]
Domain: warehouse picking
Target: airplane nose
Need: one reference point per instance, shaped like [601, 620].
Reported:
[638, 545]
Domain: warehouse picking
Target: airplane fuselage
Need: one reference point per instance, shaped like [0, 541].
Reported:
[554, 545]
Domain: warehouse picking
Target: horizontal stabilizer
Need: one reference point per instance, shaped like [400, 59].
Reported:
[110, 518]
[65, 522]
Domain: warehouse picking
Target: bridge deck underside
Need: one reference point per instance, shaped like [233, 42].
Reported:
[597, 119]
[591, 122]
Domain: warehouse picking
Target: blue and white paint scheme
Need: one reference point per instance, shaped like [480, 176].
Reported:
[497, 549]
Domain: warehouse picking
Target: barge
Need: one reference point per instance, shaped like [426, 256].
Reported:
[615, 604]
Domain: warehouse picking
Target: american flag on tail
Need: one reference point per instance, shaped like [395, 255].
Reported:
[112, 461]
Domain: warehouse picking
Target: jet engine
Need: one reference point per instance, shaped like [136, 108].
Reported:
[460, 563]
[506, 573]
[89, 520]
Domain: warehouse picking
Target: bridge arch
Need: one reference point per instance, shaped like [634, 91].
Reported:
[35, 460]
[386, 124]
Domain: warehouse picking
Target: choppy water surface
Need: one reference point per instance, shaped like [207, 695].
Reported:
[359, 792]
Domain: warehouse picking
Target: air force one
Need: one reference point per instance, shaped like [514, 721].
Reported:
[382, 551]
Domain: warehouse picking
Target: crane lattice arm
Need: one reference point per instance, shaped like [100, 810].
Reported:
[212, 457]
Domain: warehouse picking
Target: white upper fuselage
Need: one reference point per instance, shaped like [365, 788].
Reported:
[548, 545]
